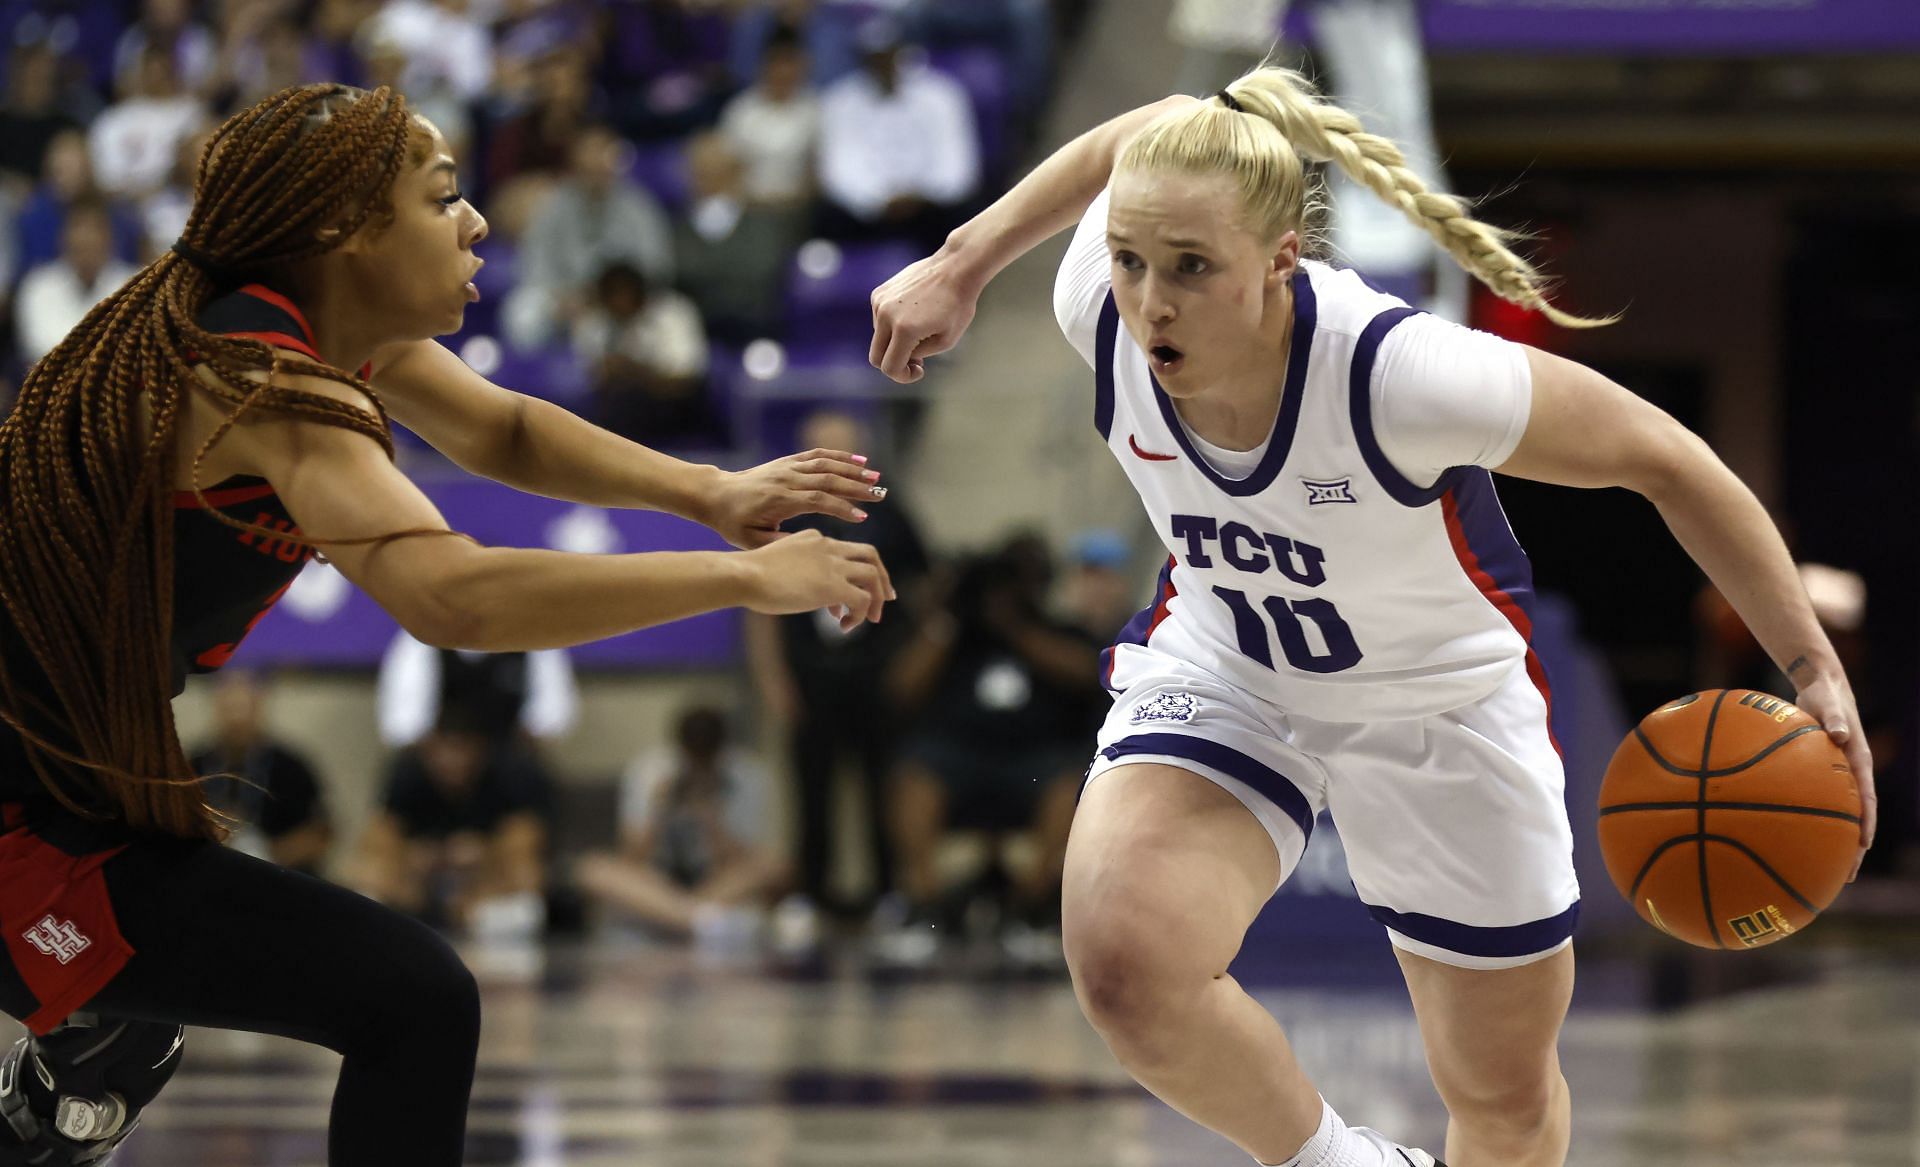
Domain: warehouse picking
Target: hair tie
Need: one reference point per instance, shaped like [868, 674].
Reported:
[198, 258]
[1227, 99]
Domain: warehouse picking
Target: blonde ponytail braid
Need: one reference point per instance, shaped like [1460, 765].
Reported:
[1226, 135]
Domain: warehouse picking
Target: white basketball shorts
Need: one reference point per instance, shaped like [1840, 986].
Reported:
[1455, 825]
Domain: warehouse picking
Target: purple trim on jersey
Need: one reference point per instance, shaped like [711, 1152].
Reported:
[1103, 366]
[1272, 785]
[1474, 940]
[1305, 315]
[1366, 351]
[1491, 540]
[1140, 629]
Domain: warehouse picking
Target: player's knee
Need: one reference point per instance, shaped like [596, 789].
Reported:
[1128, 985]
[1512, 1097]
[429, 995]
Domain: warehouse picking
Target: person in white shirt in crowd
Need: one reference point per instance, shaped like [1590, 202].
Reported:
[732, 252]
[163, 214]
[132, 142]
[693, 860]
[534, 691]
[774, 126]
[648, 352]
[169, 25]
[447, 47]
[899, 153]
[595, 216]
[56, 296]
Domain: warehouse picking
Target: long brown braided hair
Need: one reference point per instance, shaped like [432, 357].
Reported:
[87, 456]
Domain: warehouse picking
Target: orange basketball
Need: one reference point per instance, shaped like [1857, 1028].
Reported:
[1729, 819]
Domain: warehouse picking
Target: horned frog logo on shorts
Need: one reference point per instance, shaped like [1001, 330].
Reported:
[1167, 707]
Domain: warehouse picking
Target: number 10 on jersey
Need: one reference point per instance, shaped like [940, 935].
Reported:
[1288, 622]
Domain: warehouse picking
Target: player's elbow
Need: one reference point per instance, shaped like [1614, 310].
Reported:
[446, 605]
[1666, 460]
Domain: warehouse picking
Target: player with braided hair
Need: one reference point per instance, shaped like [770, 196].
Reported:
[167, 471]
[1344, 620]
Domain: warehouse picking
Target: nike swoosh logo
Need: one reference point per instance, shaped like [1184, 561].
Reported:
[1148, 454]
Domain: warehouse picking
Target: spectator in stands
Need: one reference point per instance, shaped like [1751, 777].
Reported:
[693, 858]
[133, 141]
[163, 214]
[826, 29]
[383, 61]
[169, 27]
[594, 217]
[33, 114]
[1002, 691]
[648, 355]
[826, 689]
[528, 697]
[54, 296]
[899, 154]
[532, 147]
[733, 254]
[275, 56]
[667, 60]
[334, 32]
[272, 791]
[1099, 594]
[1020, 31]
[66, 179]
[460, 838]
[774, 126]
[448, 49]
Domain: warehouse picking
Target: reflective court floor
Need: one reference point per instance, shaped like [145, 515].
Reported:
[610, 1054]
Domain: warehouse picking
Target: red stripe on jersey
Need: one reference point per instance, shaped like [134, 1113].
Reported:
[279, 340]
[1159, 614]
[263, 292]
[221, 499]
[1504, 603]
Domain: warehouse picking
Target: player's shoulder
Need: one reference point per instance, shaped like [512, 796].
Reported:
[1344, 303]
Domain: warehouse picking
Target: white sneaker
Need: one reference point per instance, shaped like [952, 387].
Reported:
[1394, 1154]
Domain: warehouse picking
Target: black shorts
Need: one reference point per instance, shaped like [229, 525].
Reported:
[63, 941]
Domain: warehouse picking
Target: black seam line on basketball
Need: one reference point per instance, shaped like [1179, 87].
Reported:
[1750, 853]
[1762, 806]
[1633, 892]
[1706, 754]
[1670, 768]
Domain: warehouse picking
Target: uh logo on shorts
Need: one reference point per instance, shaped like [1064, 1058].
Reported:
[57, 938]
[1256, 553]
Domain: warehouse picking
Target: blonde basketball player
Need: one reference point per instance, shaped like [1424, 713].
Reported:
[1343, 622]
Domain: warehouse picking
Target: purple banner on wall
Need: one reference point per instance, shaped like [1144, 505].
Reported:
[1671, 27]
[326, 622]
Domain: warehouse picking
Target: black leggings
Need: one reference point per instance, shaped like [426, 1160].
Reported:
[230, 942]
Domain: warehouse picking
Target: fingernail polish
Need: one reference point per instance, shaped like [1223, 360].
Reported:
[877, 491]
[870, 475]
[860, 458]
[858, 513]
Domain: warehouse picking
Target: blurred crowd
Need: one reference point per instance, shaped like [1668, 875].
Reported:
[650, 168]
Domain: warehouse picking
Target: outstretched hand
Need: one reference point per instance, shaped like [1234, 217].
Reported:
[750, 505]
[922, 311]
[1829, 699]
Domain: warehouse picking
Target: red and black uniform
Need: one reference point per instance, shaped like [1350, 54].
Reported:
[189, 932]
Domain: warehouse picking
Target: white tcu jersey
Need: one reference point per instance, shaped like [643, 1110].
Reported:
[1325, 581]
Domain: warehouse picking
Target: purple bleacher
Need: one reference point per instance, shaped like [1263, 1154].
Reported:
[554, 374]
[838, 306]
[763, 415]
[982, 72]
[661, 167]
